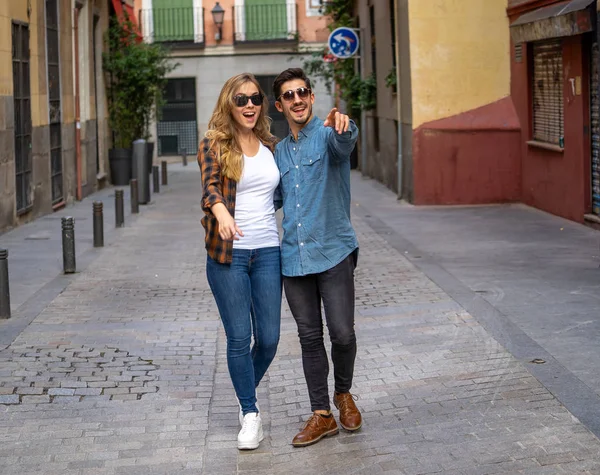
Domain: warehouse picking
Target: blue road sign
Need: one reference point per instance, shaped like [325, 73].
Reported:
[343, 42]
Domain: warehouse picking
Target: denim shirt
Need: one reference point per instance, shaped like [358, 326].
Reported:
[315, 187]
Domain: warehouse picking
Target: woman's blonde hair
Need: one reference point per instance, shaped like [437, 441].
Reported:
[222, 128]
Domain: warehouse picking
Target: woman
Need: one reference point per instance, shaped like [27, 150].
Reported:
[239, 178]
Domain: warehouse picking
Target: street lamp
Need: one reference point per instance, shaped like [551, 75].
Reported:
[218, 12]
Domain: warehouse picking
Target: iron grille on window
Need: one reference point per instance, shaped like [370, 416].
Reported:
[56, 166]
[265, 20]
[177, 129]
[548, 118]
[22, 115]
[595, 126]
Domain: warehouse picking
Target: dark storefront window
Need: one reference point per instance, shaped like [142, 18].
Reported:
[177, 127]
[548, 116]
[279, 126]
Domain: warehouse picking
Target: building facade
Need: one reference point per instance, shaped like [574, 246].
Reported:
[53, 131]
[262, 37]
[554, 66]
[447, 133]
[496, 101]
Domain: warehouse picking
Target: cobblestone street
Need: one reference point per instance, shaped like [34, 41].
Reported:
[124, 372]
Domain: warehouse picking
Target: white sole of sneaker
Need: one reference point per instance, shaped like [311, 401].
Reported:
[252, 444]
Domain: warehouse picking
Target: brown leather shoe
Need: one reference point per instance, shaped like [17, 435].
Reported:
[317, 427]
[350, 418]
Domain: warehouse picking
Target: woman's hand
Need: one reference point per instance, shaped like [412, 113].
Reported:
[228, 229]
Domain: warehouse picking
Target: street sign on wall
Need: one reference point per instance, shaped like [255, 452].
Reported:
[343, 42]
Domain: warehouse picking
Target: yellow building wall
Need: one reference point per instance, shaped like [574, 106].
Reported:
[460, 56]
[16, 10]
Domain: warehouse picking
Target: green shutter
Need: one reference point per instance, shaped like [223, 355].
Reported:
[173, 20]
[266, 19]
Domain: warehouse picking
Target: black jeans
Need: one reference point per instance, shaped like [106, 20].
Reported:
[335, 287]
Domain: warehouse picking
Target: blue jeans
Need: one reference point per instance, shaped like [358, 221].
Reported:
[248, 295]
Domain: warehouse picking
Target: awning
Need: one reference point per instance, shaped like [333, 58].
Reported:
[122, 8]
[118, 6]
[567, 18]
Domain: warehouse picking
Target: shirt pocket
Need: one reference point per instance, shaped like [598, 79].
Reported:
[312, 168]
[285, 178]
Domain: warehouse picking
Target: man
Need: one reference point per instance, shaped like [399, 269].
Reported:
[319, 248]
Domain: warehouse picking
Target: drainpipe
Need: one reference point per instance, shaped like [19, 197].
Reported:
[363, 114]
[399, 100]
[77, 108]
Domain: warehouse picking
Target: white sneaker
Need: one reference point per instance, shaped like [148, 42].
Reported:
[241, 413]
[251, 433]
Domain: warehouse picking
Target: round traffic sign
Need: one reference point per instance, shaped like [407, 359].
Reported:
[343, 42]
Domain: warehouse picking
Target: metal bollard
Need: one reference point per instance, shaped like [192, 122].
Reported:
[184, 157]
[98, 224]
[140, 170]
[163, 172]
[68, 244]
[119, 211]
[4, 290]
[155, 179]
[133, 194]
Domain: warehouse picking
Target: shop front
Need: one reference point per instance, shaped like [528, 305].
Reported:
[554, 84]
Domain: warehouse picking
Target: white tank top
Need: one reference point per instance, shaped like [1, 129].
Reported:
[254, 210]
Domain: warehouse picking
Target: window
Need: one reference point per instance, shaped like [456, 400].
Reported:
[548, 117]
[373, 39]
[174, 20]
[314, 7]
[265, 20]
[376, 139]
[393, 26]
[22, 115]
[177, 128]
[279, 125]
[54, 99]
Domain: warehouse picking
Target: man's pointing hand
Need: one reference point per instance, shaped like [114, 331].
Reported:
[337, 120]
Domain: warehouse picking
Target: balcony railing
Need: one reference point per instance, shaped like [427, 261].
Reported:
[183, 26]
[266, 23]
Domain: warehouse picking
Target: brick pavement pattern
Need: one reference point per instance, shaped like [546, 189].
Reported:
[125, 373]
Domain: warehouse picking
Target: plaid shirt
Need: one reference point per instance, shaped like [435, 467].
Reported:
[216, 189]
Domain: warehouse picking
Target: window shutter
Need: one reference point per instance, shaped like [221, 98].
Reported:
[548, 118]
[595, 119]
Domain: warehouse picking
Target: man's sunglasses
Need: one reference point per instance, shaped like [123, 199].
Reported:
[288, 96]
[242, 99]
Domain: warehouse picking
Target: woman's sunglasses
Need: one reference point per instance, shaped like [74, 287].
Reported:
[288, 96]
[242, 99]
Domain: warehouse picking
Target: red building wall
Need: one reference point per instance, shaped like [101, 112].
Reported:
[482, 156]
[557, 182]
[471, 158]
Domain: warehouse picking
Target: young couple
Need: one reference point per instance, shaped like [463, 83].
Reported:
[246, 176]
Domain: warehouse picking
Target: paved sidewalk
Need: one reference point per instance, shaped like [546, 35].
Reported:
[123, 371]
[531, 278]
[35, 252]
